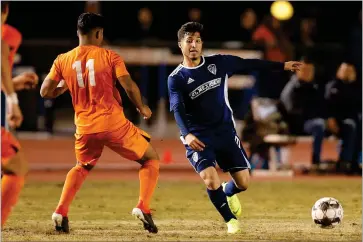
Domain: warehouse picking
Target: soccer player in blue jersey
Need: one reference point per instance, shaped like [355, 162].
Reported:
[199, 99]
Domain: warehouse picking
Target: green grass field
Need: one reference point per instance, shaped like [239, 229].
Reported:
[272, 211]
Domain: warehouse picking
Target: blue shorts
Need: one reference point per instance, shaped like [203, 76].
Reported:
[223, 147]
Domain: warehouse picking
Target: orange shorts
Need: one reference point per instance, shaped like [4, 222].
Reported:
[9, 146]
[126, 140]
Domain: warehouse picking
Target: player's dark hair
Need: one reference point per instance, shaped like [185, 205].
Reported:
[89, 21]
[190, 27]
[4, 6]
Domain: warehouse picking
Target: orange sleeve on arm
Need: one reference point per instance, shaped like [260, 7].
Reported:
[118, 65]
[55, 73]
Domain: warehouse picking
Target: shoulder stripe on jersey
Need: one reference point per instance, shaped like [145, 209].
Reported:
[211, 55]
[176, 70]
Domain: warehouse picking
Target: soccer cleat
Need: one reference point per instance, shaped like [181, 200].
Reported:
[60, 223]
[146, 219]
[233, 226]
[233, 203]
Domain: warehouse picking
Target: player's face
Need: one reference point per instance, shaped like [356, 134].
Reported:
[191, 45]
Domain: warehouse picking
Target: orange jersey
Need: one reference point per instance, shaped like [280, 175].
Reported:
[13, 38]
[90, 73]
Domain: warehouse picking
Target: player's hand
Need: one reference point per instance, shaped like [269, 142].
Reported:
[292, 66]
[145, 111]
[14, 116]
[194, 143]
[27, 80]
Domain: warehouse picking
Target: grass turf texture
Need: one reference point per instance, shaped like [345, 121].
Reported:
[272, 211]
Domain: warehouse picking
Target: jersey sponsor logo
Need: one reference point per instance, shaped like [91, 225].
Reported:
[190, 80]
[205, 87]
[212, 69]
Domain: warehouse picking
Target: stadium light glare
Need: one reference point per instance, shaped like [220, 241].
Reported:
[282, 10]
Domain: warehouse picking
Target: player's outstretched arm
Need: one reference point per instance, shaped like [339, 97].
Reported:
[237, 64]
[14, 115]
[133, 92]
[52, 89]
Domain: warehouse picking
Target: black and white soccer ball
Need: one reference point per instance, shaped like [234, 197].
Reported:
[327, 212]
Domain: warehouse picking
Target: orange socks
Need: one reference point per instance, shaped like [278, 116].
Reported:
[73, 183]
[148, 175]
[11, 186]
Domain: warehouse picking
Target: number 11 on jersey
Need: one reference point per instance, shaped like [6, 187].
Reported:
[90, 64]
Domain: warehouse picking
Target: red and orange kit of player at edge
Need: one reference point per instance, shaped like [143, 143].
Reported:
[14, 166]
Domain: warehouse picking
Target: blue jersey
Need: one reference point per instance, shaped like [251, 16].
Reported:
[199, 95]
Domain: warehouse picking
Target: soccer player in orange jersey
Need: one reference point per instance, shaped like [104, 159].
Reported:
[89, 72]
[13, 163]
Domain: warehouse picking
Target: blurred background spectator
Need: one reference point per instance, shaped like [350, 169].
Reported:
[146, 30]
[195, 15]
[342, 112]
[307, 31]
[303, 100]
[277, 47]
[271, 36]
[305, 39]
[248, 23]
[93, 6]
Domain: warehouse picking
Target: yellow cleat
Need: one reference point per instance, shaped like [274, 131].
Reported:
[233, 226]
[233, 203]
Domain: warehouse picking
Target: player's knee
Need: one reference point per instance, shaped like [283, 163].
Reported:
[243, 185]
[210, 178]
[150, 154]
[212, 184]
[83, 170]
[243, 182]
[153, 164]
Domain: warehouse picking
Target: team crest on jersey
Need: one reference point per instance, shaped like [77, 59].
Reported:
[195, 157]
[212, 69]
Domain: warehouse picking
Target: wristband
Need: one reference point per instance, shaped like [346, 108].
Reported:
[12, 98]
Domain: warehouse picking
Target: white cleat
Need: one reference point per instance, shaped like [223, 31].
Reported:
[57, 219]
[61, 223]
[233, 226]
[146, 219]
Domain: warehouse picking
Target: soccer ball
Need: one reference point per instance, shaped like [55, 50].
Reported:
[327, 212]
